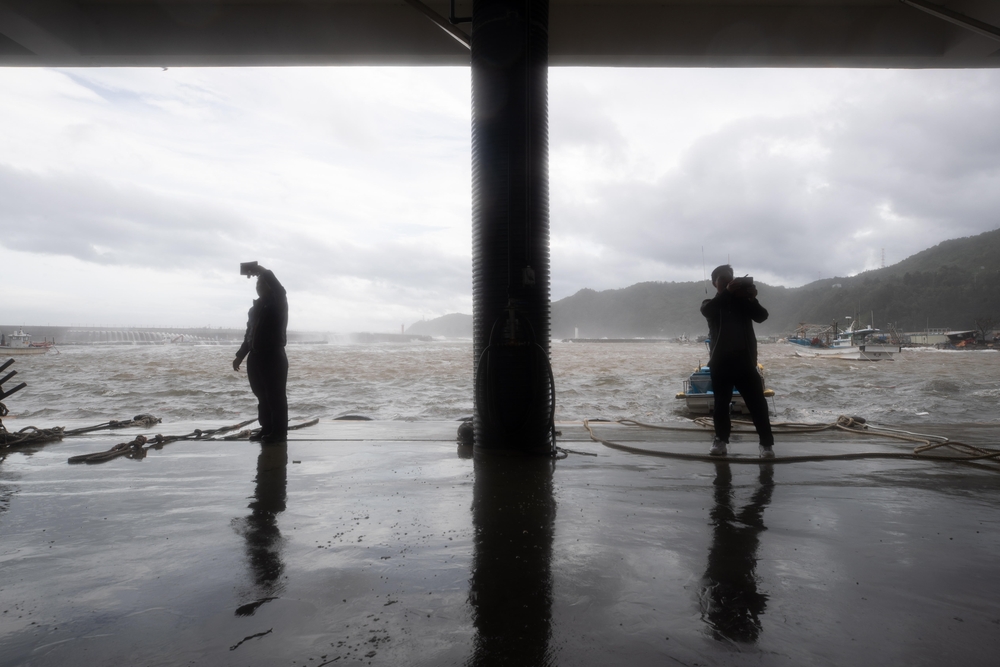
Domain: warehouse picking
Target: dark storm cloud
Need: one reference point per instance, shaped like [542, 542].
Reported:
[94, 221]
[354, 185]
[936, 156]
[913, 163]
[406, 265]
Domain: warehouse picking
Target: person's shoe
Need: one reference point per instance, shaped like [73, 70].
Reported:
[718, 447]
[257, 435]
[766, 452]
[274, 438]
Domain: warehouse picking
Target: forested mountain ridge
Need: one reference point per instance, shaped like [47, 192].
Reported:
[453, 325]
[949, 285]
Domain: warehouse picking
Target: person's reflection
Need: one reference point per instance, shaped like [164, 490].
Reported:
[731, 604]
[260, 528]
[513, 514]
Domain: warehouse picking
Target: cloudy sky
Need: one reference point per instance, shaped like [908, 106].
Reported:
[129, 196]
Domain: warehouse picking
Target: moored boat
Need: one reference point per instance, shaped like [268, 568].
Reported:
[853, 344]
[20, 343]
[700, 399]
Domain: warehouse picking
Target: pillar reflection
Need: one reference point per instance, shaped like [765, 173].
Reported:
[263, 540]
[731, 603]
[513, 516]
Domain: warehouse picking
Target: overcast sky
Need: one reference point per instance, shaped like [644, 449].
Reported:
[129, 196]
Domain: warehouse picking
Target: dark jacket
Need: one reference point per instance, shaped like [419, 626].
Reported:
[267, 320]
[730, 326]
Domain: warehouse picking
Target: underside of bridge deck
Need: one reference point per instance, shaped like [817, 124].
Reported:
[686, 33]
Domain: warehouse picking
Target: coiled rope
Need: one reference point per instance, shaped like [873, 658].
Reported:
[29, 435]
[926, 442]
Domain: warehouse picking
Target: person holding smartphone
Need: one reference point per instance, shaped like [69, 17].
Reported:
[264, 348]
[733, 357]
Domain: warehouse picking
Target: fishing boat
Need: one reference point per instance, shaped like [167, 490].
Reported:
[20, 343]
[854, 343]
[700, 399]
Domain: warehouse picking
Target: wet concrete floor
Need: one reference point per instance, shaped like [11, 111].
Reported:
[381, 543]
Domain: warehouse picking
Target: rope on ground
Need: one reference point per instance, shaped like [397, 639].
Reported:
[29, 435]
[927, 442]
[566, 452]
[32, 435]
[140, 445]
[245, 434]
[143, 420]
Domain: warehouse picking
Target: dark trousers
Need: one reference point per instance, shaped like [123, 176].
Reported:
[739, 373]
[268, 375]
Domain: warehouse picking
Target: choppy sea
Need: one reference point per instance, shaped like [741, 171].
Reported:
[433, 381]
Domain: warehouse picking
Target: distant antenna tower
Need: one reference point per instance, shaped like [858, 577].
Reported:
[883, 258]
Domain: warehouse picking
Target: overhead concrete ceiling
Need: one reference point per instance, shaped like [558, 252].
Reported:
[641, 33]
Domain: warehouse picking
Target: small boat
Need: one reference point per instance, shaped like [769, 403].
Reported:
[20, 343]
[700, 398]
[852, 344]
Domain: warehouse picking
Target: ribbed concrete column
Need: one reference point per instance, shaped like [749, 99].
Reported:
[510, 224]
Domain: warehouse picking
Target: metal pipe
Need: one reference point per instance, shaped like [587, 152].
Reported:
[441, 22]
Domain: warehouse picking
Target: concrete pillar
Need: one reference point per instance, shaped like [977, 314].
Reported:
[510, 225]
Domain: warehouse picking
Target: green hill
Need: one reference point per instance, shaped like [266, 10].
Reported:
[949, 285]
[453, 325]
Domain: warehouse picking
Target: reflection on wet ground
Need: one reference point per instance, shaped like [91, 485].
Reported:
[374, 543]
[510, 591]
[260, 529]
[731, 604]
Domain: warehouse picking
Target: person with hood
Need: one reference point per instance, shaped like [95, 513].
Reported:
[267, 365]
[733, 357]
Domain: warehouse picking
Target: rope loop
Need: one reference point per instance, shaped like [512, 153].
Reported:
[964, 453]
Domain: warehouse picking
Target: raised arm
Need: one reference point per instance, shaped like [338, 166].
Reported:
[756, 311]
[268, 277]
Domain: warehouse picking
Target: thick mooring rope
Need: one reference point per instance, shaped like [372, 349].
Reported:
[140, 445]
[853, 425]
[32, 435]
[143, 420]
[29, 435]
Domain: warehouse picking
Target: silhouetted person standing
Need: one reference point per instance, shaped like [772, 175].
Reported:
[733, 359]
[267, 366]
